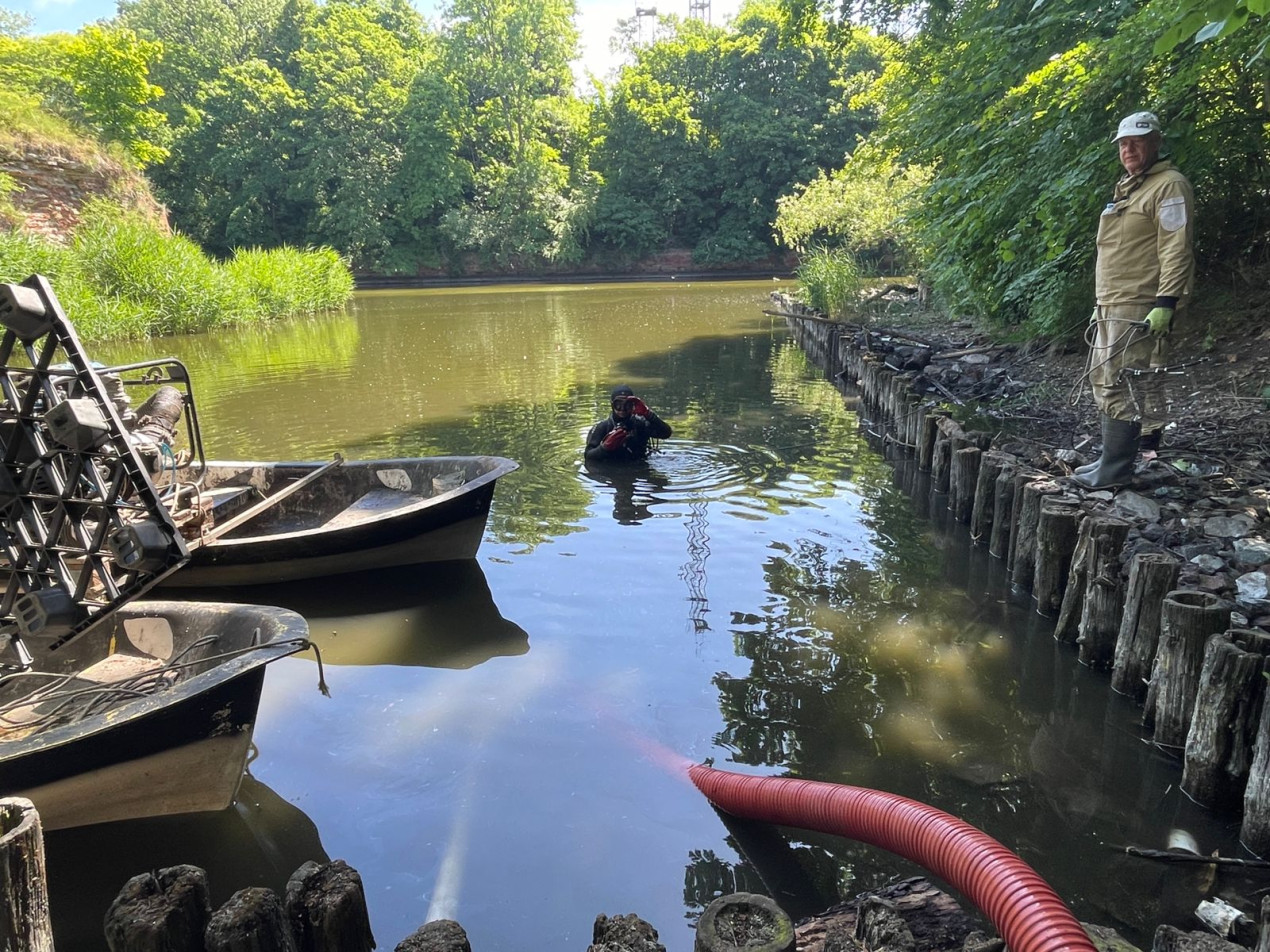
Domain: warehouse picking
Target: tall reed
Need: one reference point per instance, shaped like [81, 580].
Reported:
[124, 277]
[830, 281]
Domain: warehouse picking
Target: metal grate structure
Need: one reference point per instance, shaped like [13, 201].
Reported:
[82, 529]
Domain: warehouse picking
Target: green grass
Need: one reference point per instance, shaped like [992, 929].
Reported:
[831, 282]
[123, 277]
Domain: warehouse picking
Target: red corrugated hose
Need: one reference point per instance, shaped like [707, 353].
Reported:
[1024, 909]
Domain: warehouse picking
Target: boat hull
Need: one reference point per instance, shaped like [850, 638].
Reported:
[181, 749]
[326, 529]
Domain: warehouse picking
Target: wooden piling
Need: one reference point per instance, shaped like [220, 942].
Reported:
[1254, 832]
[1023, 557]
[1056, 533]
[1227, 711]
[252, 920]
[926, 444]
[1067, 627]
[1003, 512]
[964, 482]
[327, 908]
[25, 925]
[1152, 575]
[983, 509]
[165, 911]
[1104, 590]
[1186, 622]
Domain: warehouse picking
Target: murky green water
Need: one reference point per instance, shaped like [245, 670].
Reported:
[769, 592]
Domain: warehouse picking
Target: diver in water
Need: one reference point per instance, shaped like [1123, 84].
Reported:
[624, 435]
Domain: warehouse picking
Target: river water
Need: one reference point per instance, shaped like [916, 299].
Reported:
[769, 592]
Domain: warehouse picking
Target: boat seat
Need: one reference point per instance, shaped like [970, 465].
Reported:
[371, 504]
[228, 497]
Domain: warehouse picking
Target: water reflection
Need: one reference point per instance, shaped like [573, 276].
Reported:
[441, 615]
[635, 487]
[259, 841]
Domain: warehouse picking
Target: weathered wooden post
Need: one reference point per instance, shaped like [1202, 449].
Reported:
[926, 444]
[1023, 559]
[1056, 532]
[25, 924]
[165, 911]
[965, 479]
[446, 935]
[984, 509]
[1186, 622]
[327, 908]
[941, 462]
[1003, 512]
[1104, 590]
[1067, 628]
[1227, 711]
[1021, 480]
[253, 920]
[1254, 832]
[1152, 575]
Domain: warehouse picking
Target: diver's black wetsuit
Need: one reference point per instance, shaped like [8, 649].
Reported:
[639, 430]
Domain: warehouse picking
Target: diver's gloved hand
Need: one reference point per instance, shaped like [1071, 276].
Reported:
[638, 406]
[1160, 320]
[614, 440]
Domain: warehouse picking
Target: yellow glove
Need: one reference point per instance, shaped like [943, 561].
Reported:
[1160, 320]
[1093, 318]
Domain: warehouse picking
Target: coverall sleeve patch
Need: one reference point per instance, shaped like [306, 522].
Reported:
[1173, 213]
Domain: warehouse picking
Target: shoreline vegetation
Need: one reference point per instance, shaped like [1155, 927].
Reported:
[122, 276]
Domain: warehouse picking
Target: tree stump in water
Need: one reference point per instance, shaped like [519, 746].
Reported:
[627, 933]
[1023, 558]
[1186, 622]
[965, 480]
[165, 911]
[744, 921]
[1104, 590]
[1067, 628]
[1152, 575]
[1056, 533]
[327, 908]
[1227, 708]
[253, 920]
[983, 510]
[1003, 512]
[25, 925]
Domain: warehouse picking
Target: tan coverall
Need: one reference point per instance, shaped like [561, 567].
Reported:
[1144, 261]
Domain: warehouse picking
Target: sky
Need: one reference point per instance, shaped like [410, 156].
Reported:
[596, 18]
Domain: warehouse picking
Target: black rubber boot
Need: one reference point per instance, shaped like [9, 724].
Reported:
[1090, 467]
[1119, 453]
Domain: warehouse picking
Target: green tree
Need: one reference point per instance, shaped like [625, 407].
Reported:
[519, 129]
[708, 128]
[200, 38]
[108, 71]
[229, 182]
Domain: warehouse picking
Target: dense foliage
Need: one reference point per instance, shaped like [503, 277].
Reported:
[124, 277]
[967, 142]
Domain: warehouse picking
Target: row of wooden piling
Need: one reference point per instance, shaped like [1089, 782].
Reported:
[1201, 681]
[169, 910]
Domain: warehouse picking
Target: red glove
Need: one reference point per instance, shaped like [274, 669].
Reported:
[638, 407]
[614, 440]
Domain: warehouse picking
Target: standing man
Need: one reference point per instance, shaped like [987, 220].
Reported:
[624, 434]
[1143, 276]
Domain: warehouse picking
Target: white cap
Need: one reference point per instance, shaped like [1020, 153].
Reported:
[1137, 124]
